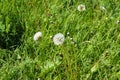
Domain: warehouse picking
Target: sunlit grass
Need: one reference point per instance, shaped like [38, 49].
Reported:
[91, 50]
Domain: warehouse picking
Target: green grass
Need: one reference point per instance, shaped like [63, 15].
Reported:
[95, 54]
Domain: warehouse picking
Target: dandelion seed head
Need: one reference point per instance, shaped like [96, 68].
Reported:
[81, 7]
[58, 39]
[37, 36]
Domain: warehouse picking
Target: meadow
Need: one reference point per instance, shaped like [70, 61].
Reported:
[91, 47]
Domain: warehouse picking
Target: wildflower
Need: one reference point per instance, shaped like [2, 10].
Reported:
[118, 22]
[71, 38]
[58, 39]
[51, 37]
[106, 18]
[38, 78]
[81, 7]
[68, 33]
[37, 36]
[61, 55]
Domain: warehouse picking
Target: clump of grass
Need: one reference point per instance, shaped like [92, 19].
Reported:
[90, 50]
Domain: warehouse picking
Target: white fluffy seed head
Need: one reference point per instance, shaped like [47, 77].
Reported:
[81, 7]
[58, 39]
[37, 36]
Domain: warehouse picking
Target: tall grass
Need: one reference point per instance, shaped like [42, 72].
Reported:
[93, 54]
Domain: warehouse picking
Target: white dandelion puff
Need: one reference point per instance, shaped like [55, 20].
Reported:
[81, 7]
[37, 36]
[58, 39]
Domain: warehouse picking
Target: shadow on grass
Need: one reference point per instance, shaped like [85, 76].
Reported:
[11, 33]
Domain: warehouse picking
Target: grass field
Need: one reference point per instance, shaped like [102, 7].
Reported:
[91, 50]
